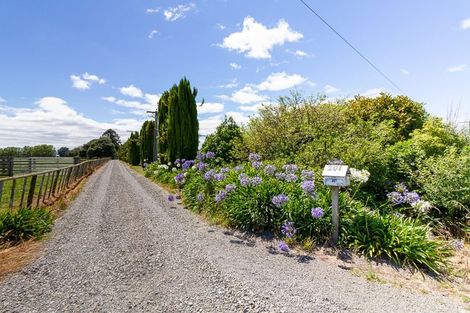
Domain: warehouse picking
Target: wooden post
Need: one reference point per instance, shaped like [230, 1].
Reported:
[1, 192]
[12, 194]
[23, 191]
[40, 190]
[10, 166]
[334, 214]
[32, 186]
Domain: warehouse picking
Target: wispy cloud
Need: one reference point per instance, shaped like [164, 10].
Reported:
[281, 81]
[152, 34]
[151, 11]
[235, 66]
[84, 81]
[404, 71]
[256, 40]
[178, 12]
[299, 53]
[457, 68]
[329, 89]
[465, 24]
[131, 91]
[210, 107]
[220, 26]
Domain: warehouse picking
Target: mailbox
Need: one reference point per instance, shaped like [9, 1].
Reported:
[336, 175]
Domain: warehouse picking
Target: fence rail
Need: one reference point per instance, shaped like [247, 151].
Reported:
[43, 188]
[10, 166]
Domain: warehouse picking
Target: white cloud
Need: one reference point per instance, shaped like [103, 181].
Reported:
[175, 13]
[208, 125]
[465, 24]
[220, 26]
[330, 89]
[235, 66]
[156, 10]
[79, 83]
[210, 107]
[232, 84]
[152, 33]
[404, 71]
[298, 53]
[239, 117]
[372, 93]
[281, 81]
[109, 99]
[152, 99]
[2, 100]
[457, 68]
[55, 122]
[134, 105]
[256, 40]
[131, 91]
[85, 81]
[251, 108]
[245, 95]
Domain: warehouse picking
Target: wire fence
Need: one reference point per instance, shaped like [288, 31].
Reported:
[43, 188]
[11, 166]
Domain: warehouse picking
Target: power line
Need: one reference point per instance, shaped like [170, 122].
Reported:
[351, 45]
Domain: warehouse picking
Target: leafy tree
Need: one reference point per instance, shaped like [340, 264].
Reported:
[163, 104]
[43, 151]
[102, 147]
[63, 152]
[111, 133]
[224, 140]
[75, 151]
[133, 155]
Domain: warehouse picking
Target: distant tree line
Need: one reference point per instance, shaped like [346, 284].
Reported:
[27, 151]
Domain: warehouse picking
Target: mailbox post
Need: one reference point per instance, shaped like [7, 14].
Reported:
[335, 175]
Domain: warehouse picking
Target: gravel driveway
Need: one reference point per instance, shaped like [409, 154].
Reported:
[122, 247]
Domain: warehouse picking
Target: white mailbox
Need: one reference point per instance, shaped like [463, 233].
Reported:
[336, 175]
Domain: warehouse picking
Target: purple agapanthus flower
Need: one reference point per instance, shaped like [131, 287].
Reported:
[288, 229]
[219, 177]
[401, 188]
[256, 164]
[283, 246]
[210, 155]
[290, 168]
[256, 180]
[187, 164]
[200, 197]
[254, 157]
[269, 169]
[171, 198]
[177, 161]
[201, 166]
[307, 175]
[224, 170]
[179, 179]
[230, 187]
[396, 198]
[411, 197]
[244, 179]
[279, 200]
[291, 178]
[280, 176]
[221, 195]
[209, 175]
[200, 156]
[238, 168]
[317, 212]
[308, 187]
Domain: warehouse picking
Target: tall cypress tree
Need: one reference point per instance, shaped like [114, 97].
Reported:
[146, 141]
[134, 149]
[163, 127]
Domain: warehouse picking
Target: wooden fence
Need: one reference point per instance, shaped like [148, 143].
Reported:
[43, 188]
[10, 166]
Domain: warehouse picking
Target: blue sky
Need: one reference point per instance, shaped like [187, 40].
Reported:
[71, 69]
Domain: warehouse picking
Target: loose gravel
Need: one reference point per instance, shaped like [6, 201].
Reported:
[122, 247]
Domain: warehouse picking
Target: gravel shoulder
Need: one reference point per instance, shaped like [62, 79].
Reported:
[122, 247]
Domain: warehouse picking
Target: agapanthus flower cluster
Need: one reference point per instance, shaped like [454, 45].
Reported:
[401, 195]
[201, 166]
[256, 181]
[307, 175]
[221, 195]
[209, 175]
[279, 200]
[283, 246]
[256, 164]
[280, 176]
[200, 156]
[254, 157]
[210, 155]
[171, 198]
[244, 179]
[308, 187]
[177, 163]
[317, 213]
[179, 179]
[359, 176]
[290, 168]
[291, 178]
[200, 197]
[238, 168]
[224, 170]
[288, 229]
[187, 164]
[219, 177]
[230, 187]
[269, 169]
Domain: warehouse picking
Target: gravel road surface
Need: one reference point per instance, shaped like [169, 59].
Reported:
[122, 247]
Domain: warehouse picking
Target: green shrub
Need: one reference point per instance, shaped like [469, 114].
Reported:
[403, 240]
[24, 223]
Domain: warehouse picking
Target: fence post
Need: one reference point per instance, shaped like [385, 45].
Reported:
[10, 166]
[30, 165]
[76, 160]
[32, 186]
